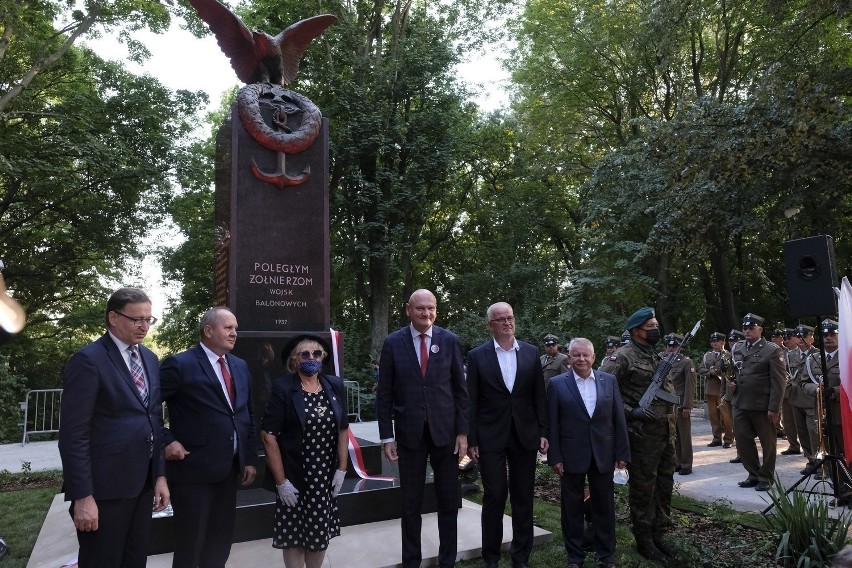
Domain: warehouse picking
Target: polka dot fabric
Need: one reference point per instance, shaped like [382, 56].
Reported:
[314, 521]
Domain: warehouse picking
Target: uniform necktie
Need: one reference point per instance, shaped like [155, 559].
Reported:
[226, 376]
[137, 374]
[424, 354]
[828, 357]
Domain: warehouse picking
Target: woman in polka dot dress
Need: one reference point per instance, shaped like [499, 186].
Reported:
[305, 434]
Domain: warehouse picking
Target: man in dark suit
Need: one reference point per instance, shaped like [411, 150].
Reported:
[211, 440]
[423, 404]
[508, 425]
[112, 453]
[588, 437]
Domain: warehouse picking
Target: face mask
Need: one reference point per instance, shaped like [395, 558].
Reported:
[652, 336]
[310, 368]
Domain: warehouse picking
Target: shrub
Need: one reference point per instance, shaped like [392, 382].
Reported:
[809, 536]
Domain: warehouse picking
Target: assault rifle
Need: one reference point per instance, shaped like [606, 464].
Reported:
[655, 389]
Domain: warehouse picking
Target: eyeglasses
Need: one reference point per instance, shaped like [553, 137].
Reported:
[316, 354]
[505, 319]
[138, 322]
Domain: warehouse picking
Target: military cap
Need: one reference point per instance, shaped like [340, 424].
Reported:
[639, 317]
[829, 325]
[735, 335]
[777, 332]
[803, 330]
[612, 341]
[673, 339]
[789, 332]
[551, 339]
[625, 337]
[752, 319]
[716, 336]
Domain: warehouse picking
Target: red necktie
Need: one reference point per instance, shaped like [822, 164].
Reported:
[226, 375]
[424, 354]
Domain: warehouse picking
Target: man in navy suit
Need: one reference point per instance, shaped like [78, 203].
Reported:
[588, 438]
[211, 443]
[508, 425]
[422, 403]
[112, 453]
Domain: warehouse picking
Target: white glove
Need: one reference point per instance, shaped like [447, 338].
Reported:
[337, 482]
[288, 493]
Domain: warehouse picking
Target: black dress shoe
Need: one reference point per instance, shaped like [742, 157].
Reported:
[714, 443]
[762, 486]
[726, 445]
[736, 460]
[685, 471]
[791, 452]
[677, 468]
[748, 483]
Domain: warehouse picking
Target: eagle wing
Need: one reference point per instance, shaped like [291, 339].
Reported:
[295, 40]
[232, 35]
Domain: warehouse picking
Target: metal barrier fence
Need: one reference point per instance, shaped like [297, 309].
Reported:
[41, 412]
[353, 400]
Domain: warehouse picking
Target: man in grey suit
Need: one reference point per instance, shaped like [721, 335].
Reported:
[423, 409]
[508, 425]
[588, 438]
[112, 454]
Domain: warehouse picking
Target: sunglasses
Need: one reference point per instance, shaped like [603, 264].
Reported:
[306, 355]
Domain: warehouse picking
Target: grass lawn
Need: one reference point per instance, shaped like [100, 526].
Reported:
[22, 512]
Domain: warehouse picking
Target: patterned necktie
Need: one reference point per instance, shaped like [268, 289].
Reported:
[226, 375]
[137, 374]
[424, 354]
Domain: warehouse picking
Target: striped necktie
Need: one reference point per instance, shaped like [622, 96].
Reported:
[137, 374]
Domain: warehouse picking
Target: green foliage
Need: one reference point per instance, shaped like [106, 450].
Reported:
[12, 391]
[808, 535]
[90, 155]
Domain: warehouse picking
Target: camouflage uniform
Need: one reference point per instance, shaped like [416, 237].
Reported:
[759, 389]
[682, 376]
[653, 456]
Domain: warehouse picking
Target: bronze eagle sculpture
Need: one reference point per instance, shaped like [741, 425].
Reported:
[256, 56]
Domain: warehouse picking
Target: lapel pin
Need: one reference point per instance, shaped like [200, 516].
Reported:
[434, 349]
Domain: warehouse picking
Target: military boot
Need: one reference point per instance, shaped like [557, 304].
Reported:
[646, 548]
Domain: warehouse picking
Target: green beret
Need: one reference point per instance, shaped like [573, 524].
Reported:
[639, 317]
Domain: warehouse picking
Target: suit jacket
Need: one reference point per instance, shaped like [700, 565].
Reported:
[405, 397]
[201, 418]
[494, 410]
[577, 438]
[285, 418]
[107, 433]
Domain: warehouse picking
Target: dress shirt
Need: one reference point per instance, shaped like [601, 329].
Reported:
[415, 337]
[588, 391]
[214, 362]
[125, 354]
[508, 360]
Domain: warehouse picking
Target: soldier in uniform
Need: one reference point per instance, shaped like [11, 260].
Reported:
[683, 380]
[612, 344]
[803, 396]
[830, 380]
[758, 391]
[625, 337]
[715, 365]
[653, 463]
[734, 337]
[788, 418]
[778, 337]
[552, 362]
